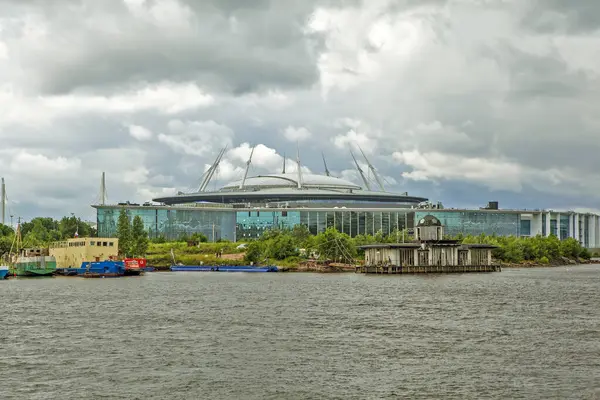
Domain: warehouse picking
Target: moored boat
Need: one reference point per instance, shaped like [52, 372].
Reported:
[135, 266]
[29, 262]
[38, 266]
[222, 268]
[3, 272]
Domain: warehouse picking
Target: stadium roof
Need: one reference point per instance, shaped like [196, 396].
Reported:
[262, 182]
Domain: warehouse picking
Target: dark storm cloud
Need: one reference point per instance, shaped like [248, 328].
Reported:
[225, 46]
[555, 16]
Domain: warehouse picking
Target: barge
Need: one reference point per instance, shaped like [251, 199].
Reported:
[222, 268]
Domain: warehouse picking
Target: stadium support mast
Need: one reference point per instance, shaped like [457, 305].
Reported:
[283, 171]
[211, 171]
[373, 170]
[3, 203]
[325, 164]
[247, 168]
[299, 168]
[360, 171]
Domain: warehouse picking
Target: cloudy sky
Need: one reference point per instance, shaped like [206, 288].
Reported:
[460, 101]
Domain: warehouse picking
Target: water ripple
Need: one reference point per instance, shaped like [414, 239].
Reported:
[530, 333]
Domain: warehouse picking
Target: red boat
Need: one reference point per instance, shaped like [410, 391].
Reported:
[134, 266]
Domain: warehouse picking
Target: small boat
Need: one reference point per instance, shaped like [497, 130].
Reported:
[3, 272]
[222, 268]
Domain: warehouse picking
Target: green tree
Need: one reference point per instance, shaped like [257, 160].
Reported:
[336, 246]
[199, 238]
[124, 233]
[6, 230]
[254, 252]
[5, 245]
[139, 238]
[301, 234]
[281, 247]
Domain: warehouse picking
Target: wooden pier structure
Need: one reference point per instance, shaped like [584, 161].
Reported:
[430, 253]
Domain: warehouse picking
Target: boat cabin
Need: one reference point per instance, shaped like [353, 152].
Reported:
[71, 253]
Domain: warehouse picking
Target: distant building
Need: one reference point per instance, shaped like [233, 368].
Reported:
[246, 208]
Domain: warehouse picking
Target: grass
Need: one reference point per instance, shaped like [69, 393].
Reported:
[159, 254]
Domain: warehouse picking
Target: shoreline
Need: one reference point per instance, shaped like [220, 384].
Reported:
[347, 268]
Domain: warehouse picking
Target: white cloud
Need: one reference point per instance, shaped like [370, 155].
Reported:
[497, 174]
[37, 165]
[140, 133]
[296, 134]
[199, 138]
[352, 138]
[264, 157]
[165, 98]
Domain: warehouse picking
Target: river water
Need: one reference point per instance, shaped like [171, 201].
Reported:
[520, 333]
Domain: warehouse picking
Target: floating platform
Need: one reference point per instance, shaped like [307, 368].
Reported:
[222, 268]
[427, 269]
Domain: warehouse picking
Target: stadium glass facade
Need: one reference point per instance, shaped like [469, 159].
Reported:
[476, 222]
[171, 223]
[234, 224]
[250, 224]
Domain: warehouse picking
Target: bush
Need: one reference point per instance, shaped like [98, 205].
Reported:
[585, 254]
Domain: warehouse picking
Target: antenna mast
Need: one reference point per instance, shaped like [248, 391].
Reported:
[299, 168]
[372, 168]
[3, 203]
[360, 171]
[103, 189]
[325, 164]
[247, 167]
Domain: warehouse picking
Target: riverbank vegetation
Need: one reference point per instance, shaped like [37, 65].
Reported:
[538, 249]
[291, 248]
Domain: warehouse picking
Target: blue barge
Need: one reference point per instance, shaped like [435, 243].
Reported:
[222, 268]
[101, 269]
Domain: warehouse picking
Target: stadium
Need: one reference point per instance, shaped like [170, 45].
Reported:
[244, 209]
